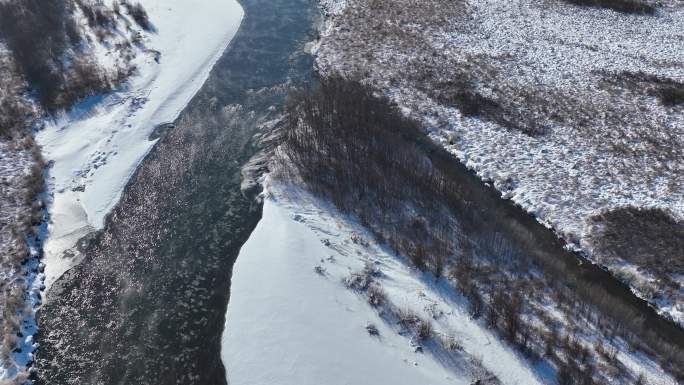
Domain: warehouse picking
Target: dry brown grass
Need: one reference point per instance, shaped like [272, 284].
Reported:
[647, 237]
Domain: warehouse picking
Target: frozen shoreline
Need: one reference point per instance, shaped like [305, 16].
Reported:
[95, 148]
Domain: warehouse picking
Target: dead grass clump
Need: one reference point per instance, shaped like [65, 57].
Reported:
[376, 295]
[425, 330]
[637, 7]
[472, 103]
[358, 281]
[422, 329]
[647, 237]
[451, 344]
[407, 318]
[672, 96]
[364, 282]
[372, 330]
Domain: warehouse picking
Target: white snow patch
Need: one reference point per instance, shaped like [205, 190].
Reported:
[97, 146]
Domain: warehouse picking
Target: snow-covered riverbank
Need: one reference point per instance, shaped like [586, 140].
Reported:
[96, 147]
[291, 320]
[293, 317]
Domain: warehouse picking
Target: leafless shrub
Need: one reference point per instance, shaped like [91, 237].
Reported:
[139, 14]
[425, 330]
[354, 175]
[98, 15]
[641, 380]
[464, 96]
[34, 183]
[450, 343]
[372, 330]
[419, 257]
[422, 12]
[475, 303]
[566, 374]
[492, 313]
[376, 295]
[39, 33]
[512, 310]
[16, 112]
[438, 264]
[609, 353]
[669, 91]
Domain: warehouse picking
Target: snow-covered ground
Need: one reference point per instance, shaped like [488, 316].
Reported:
[289, 324]
[293, 319]
[605, 144]
[96, 147]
